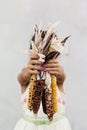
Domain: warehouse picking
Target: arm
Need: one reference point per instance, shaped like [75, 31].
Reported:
[22, 79]
[61, 78]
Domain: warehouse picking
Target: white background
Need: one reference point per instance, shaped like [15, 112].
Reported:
[17, 20]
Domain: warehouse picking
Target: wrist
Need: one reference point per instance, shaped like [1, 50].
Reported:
[61, 79]
[22, 80]
[61, 87]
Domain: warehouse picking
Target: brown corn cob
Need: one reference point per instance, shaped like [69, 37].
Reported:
[31, 91]
[37, 97]
[44, 102]
[54, 93]
[49, 104]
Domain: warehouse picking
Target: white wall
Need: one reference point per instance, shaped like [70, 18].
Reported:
[17, 19]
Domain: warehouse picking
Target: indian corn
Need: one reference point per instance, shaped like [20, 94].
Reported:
[54, 93]
[31, 91]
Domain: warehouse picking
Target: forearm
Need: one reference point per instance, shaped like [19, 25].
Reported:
[60, 82]
[23, 78]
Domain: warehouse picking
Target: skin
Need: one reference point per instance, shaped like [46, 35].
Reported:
[33, 65]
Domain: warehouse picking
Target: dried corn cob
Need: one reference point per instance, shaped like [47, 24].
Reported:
[44, 102]
[49, 104]
[54, 93]
[31, 91]
[37, 97]
[48, 108]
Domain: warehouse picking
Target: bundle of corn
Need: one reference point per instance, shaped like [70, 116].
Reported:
[43, 88]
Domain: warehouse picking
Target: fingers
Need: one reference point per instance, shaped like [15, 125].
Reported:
[34, 62]
[32, 57]
[31, 70]
[51, 65]
[26, 72]
[34, 67]
[34, 72]
[52, 69]
[53, 61]
[53, 72]
[25, 75]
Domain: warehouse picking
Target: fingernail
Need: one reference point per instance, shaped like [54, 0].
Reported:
[48, 71]
[38, 57]
[42, 63]
[42, 68]
[38, 72]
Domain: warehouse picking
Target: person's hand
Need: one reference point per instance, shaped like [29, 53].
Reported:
[54, 68]
[33, 66]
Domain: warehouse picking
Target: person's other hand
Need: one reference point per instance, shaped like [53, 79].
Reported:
[54, 68]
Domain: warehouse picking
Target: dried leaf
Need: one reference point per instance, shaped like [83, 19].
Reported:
[65, 39]
[49, 32]
[47, 46]
[50, 55]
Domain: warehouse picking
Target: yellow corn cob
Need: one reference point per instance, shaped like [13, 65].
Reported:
[31, 91]
[54, 93]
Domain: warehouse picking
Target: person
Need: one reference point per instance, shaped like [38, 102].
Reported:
[53, 67]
